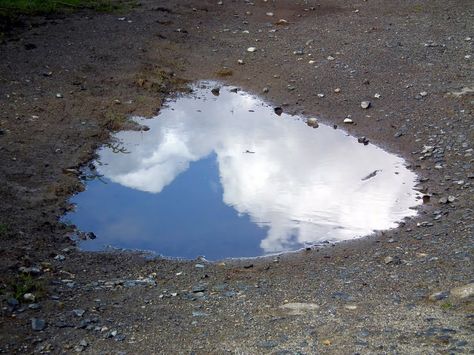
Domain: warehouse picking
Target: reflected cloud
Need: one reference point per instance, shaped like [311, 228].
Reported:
[304, 185]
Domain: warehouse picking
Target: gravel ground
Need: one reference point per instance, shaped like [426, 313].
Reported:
[68, 82]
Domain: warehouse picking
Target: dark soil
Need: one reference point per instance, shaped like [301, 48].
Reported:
[373, 294]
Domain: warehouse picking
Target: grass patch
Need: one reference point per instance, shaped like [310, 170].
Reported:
[27, 284]
[38, 7]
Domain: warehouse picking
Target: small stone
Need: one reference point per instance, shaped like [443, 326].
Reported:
[13, 302]
[326, 342]
[463, 292]
[281, 22]
[423, 94]
[240, 61]
[388, 260]
[348, 120]
[59, 257]
[320, 95]
[29, 297]
[269, 14]
[365, 104]
[84, 343]
[299, 52]
[437, 296]
[251, 49]
[298, 308]
[34, 306]
[330, 57]
[312, 122]
[59, 96]
[199, 266]
[363, 140]
[38, 324]
[216, 91]
[443, 200]
[377, 96]
[337, 90]
[278, 110]
[451, 199]
[78, 312]
[265, 90]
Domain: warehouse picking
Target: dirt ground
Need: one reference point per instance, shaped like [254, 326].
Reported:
[67, 82]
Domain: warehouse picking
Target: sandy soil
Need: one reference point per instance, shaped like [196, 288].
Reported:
[67, 82]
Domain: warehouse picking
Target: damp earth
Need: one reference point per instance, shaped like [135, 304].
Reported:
[219, 173]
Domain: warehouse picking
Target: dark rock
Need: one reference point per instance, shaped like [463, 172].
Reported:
[38, 324]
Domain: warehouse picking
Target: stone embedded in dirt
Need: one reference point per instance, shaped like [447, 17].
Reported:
[59, 96]
[377, 96]
[312, 122]
[78, 312]
[59, 257]
[271, 14]
[363, 140]
[321, 95]
[348, 120]
[251, 49]
[330, 57]
[278, 110]
[29, 297]
[337, 90]
[38, 324]
[297, 308]
[299, 52]
[240, 61]
[423, 94]
[265, 90]
[281, 22]
[463, 292]
[216, 91]
[365, 104]
[437, 296]
[451, 199]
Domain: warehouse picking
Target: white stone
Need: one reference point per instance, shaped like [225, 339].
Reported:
[348, 120]
[251, 49]
[297, 308]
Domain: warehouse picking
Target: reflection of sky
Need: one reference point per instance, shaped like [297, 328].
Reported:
[300, 186]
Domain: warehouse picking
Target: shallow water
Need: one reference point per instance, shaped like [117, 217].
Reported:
[224, 176]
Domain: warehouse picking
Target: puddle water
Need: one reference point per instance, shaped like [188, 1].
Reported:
[224, 176]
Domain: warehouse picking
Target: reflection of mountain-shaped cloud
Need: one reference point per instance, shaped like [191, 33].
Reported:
[304, 184]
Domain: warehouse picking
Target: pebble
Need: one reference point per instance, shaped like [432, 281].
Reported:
[29, 297]
[59, 96]
[298, 308]
[363, 140]
[216, 91]
[365, 104]
[463, 292]
[251, 49]
[321, 95]
[337, 90]
[437, 296]
[38, 324]
[312, 122]
[265, 90]
[377, 96]
[348, 120]
[240, 61]
[423, 94]
[78, 312]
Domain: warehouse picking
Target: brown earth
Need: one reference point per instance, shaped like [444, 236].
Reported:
[373, 294]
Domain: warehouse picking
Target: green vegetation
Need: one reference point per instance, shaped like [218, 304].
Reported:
[3, 229]
[36, 7]
[26, 283]
[446, 305]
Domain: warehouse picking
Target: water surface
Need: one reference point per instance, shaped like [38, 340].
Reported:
[224, 176]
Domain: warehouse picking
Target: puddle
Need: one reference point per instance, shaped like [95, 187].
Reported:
[225, 176]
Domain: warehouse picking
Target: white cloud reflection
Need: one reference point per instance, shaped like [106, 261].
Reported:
[304, 184]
